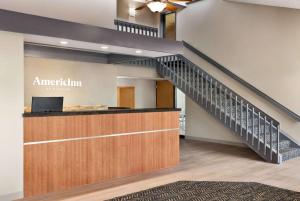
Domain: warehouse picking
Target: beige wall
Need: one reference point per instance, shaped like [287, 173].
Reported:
[258, 43]
[99, 81]
[144, 16]
[145, 91]
[11, 107]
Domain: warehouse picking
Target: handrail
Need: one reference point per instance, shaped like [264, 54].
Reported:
[241, 81]
[136, 28]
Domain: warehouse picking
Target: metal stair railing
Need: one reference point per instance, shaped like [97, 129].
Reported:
[256, 129]
[259, 131]
[136, 28]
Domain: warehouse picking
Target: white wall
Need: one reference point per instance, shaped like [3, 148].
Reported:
[258, 43]
[145, 91]
[93, 12]
[11, 107]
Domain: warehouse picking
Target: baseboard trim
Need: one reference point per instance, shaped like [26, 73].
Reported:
[11, 196]
[215, 141]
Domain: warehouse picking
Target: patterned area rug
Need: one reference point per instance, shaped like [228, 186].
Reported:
[212, 191]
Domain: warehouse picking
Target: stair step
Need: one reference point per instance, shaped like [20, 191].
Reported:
[284, 144]
[290, 153]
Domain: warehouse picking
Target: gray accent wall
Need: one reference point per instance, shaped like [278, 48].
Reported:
[35, 25]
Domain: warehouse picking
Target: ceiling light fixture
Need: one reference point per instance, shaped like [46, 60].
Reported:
[64, 42]
[104, 47]
[156, 6]
[138, 51]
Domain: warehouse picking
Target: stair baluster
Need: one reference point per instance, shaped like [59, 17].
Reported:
[259, 131]
[253, 119]
[265, 136]
[220, 97]
[241, 120]
[236, 114]
[216, 97]
[247, 122]
[230, 114]
[278, 142]
[225, 106]
[271, 139]
[202, 88]
[210, 94]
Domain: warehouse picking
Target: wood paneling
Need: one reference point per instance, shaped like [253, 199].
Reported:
[65, 127]
[63, 165]
[57, 166]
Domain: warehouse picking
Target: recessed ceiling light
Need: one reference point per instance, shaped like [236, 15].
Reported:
[138, 51]
[104, 47]
[63, 42]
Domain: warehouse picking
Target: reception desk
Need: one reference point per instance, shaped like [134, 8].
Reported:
[72, 149]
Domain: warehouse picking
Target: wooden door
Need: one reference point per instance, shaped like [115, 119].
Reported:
[165, 94]
[126, 97]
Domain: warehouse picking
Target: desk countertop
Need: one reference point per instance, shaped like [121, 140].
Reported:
[93, 112]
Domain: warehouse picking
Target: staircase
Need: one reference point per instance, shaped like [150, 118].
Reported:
[256, 129]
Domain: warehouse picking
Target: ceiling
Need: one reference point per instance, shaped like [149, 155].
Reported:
[278, 3]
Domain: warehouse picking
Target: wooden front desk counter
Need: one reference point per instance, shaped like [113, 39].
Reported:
[71, 149]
